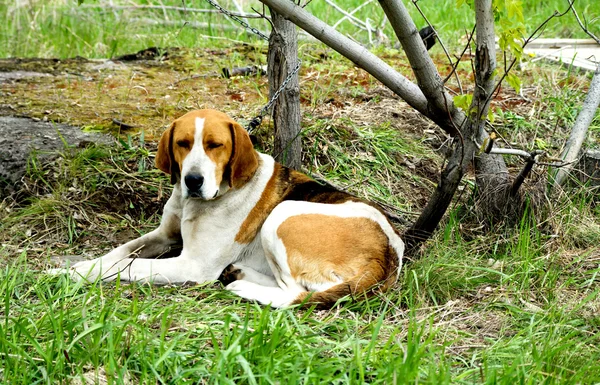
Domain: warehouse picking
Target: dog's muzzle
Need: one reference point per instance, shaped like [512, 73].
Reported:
[194, 185]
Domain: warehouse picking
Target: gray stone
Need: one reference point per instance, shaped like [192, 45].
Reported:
[20, 136]
[18, 75]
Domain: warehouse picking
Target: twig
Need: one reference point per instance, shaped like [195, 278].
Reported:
[527, 41]
[470, 37]
[525, 172]
[354, 20]
[581, 24]
[347, 16]
[238, 7]
[510, 151]
[415, 2]
[122, 125]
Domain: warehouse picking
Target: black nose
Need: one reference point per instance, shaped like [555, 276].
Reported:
[194, 182]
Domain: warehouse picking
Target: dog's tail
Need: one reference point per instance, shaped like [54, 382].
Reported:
[378, 276]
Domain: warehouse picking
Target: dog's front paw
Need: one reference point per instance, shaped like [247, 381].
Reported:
[237, 287]
[86, 270]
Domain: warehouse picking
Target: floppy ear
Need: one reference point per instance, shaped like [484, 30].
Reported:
[244, 159]
[165, 159]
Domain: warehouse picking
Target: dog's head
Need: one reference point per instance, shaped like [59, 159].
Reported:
[208, 153]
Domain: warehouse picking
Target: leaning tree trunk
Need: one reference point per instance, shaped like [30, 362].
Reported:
[440, 103]
[579, 131]
[282, 58]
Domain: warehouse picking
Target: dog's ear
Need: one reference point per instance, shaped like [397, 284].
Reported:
[244, 159]
[165, 158]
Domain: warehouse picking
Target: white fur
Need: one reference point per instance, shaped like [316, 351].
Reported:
[198, 162]
[208, 229]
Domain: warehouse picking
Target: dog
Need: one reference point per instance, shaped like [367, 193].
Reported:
[270, 233]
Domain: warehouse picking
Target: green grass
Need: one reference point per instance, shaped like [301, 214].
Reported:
[516, 306]
[60, 28]
[432, 329]
[511, 304]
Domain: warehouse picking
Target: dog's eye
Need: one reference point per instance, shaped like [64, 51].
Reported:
[183, 143]
[212, 145]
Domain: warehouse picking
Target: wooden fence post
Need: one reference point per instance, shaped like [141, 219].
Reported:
[282, 58]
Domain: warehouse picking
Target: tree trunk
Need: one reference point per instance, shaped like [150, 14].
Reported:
[579, 131]
[282, 58]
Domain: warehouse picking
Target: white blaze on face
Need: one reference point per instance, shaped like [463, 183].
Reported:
[198, 163]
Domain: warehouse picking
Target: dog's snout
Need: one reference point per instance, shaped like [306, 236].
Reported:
[194, 182]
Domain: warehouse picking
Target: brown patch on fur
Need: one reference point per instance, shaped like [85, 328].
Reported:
[324, 248]
[267, 202]
[286, 184]
[244, 159]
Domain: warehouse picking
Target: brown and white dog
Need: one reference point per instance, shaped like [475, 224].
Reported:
[272, 233]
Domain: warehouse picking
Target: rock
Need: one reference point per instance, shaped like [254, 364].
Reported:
[18, 75]
[20, 136]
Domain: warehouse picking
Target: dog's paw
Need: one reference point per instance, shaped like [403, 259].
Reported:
[88, 271]
[57, 271]
[230, 274]
[238, 287]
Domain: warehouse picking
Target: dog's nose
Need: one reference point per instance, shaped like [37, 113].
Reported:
[194, 182]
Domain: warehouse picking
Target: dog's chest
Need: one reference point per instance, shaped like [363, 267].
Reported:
[214, 222]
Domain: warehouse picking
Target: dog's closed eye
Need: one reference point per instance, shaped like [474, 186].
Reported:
[183, 143]
[212, 145]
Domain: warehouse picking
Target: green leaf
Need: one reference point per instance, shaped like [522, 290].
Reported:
[515, 9]
[463, 101]
[514, 81]
[491, 116]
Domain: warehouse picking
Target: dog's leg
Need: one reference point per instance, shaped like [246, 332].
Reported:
[150, 245]
[159, 271]
[266, 295]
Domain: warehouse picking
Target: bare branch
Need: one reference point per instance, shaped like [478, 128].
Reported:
[510, 151]
[584, 28]
[556, 14]
[467, 46]
[351, 14]
[354, 20]
[416, 3]
[428, 78]
[525, 172]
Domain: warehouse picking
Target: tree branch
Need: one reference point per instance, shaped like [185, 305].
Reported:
[584, 28]
[416, 3]
[428, 78]
[360, 55]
